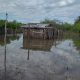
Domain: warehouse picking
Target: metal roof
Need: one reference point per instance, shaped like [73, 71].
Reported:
[39, 25]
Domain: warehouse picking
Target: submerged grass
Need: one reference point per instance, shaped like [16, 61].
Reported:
[73, 36]
[77, 43]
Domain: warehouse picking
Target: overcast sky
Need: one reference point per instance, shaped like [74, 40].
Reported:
[37, 10]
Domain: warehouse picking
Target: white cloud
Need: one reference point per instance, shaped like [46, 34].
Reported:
[36, 10]
[63, 3]
[70, 1]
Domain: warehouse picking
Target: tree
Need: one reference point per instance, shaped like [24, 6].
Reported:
[77, 24]
[77, 20]
[53, 23]
[67, 26]
[11, 25]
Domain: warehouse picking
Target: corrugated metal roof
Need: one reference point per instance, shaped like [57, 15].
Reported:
[39, 25]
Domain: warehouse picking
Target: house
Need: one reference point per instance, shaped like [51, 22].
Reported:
[38, 31]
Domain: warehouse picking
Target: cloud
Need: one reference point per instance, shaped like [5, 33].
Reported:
[37, 10]
[63, 3]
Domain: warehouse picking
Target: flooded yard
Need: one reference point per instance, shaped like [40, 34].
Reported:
[46, 60]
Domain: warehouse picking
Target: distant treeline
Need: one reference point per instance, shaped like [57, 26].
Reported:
[65, 26]
[12, 26]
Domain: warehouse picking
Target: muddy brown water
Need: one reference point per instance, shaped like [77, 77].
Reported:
[47, 59]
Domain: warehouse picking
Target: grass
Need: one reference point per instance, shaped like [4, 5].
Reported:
[73, 36]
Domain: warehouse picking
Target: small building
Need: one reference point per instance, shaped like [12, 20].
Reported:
[38, 31]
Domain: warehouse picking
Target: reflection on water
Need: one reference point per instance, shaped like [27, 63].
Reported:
[36, 44]
[63, 61]
[39, 44]
[10, 37]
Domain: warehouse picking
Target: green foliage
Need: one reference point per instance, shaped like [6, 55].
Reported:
[58, 24]
[11, 25]
[2, 23]
[14, 24]
[67, 26]
[53, 23]
[46, 21]
[77, 24]
[78, 27]
[77, 43]
[77, 20]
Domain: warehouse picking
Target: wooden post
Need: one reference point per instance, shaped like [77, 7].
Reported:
[5, 45]
[43, 34]
[28, 42]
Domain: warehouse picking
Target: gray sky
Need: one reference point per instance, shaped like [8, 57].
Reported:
[37, 10]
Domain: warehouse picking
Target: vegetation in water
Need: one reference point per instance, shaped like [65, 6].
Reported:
[71, 31]
[9, 39]
[11, 26]
[66, 27]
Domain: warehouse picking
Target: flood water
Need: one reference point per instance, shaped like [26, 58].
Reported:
[36, 59]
